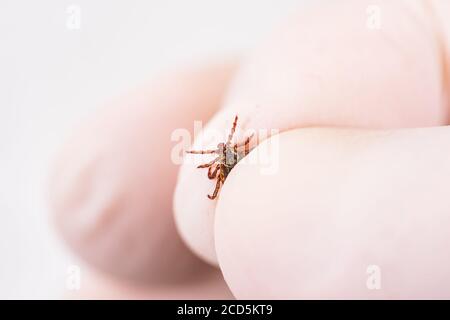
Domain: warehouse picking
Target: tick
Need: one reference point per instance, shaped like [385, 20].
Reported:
[228, 155]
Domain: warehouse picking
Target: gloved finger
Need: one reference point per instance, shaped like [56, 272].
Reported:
[112, 186]
[354, 214]
[324, 67]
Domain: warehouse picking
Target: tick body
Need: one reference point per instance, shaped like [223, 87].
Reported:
[228, 155]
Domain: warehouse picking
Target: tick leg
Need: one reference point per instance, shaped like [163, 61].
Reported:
[201, 151]
[233, 129]
[209, 164]
[213, 174]
[246, 142]
[216, 190]
[246, 147]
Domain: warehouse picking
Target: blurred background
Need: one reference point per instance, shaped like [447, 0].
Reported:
[60, 60]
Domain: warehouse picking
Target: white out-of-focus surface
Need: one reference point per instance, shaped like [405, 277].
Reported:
[52, 77]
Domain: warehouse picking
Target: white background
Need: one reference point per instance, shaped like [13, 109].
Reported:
[52, 77]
